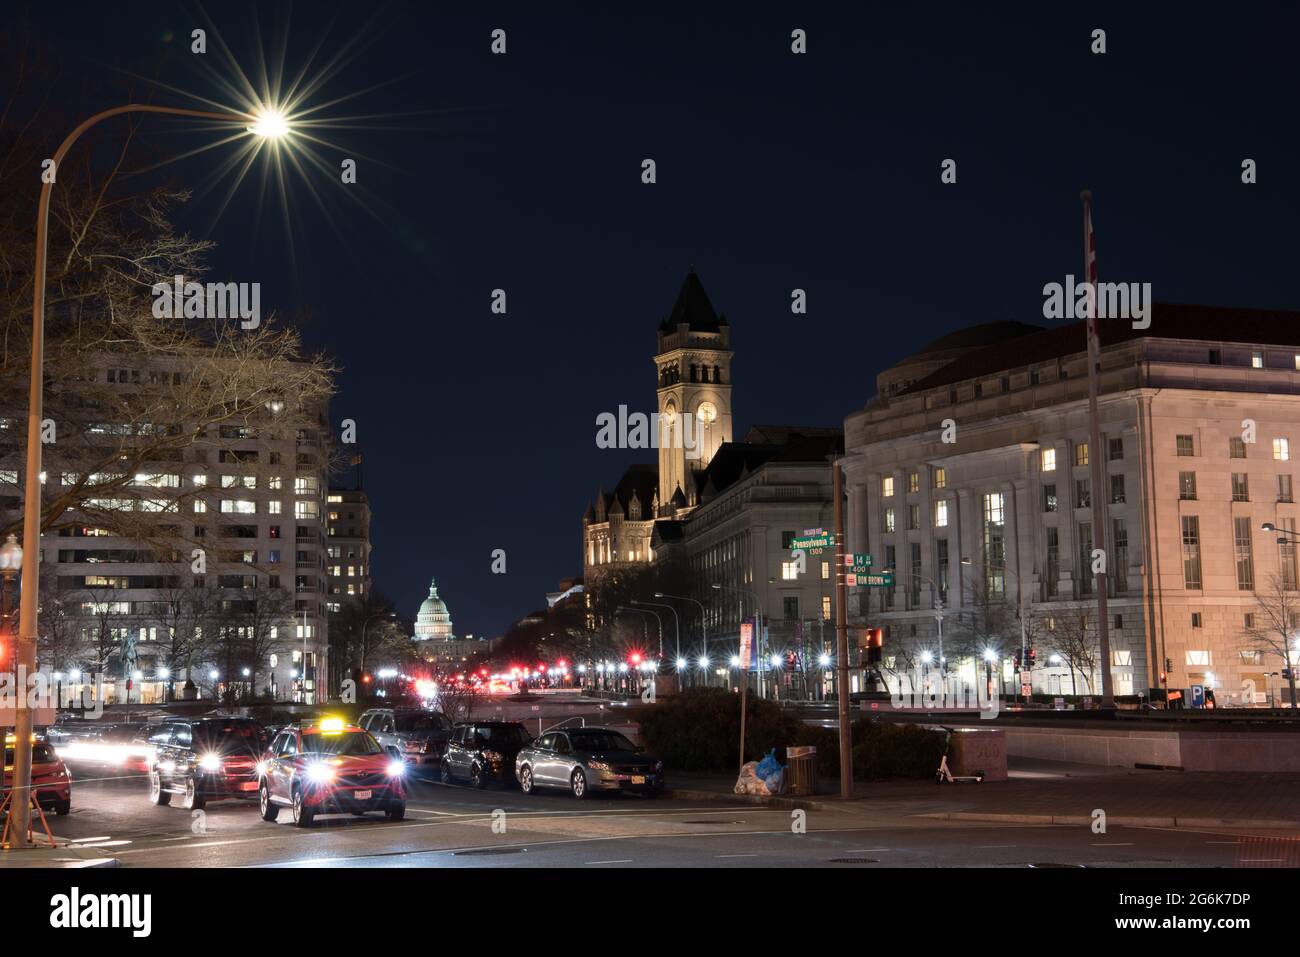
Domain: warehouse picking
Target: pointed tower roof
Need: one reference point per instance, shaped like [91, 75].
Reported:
[692, 308]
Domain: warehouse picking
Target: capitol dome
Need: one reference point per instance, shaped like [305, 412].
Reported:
[433, 623]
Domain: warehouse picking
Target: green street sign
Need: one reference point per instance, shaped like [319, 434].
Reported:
[883, 579]
[859, 563]
[814, 542]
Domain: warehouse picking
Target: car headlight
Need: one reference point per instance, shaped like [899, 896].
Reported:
[320, 773]
[599, 766]
[261, 769]
[396, 768]
[210, 762]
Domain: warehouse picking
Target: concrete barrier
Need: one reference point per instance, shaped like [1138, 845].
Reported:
[1189, 749]
[979, 749]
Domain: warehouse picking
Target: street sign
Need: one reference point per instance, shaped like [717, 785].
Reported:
[859, 563]
[746, 645]
[1197, 696]
[814, 540]
[883, 579]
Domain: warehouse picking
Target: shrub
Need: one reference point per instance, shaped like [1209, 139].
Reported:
[881, 751]
[699, 729]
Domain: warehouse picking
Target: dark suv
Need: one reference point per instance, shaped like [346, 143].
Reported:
[420, 735]
[205, 759]
[484, 751]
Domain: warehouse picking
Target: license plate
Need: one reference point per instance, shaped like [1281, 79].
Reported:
[638, 779]
[248, 786]
[412, 745]
[362, 795]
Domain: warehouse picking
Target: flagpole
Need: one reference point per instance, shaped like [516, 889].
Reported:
[1095, 451]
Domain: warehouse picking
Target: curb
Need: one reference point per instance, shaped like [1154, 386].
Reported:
[1118, 820]
[792, 803]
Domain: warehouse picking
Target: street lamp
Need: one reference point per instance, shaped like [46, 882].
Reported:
[704, 624]
[268, 124]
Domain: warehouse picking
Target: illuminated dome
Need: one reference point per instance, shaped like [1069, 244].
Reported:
[433, 623]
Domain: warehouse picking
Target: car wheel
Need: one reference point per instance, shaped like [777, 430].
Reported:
[157, 795]
[444, 771]
[193, 801]
[268, 808]
[302, 815]
[396, 811]
[526, 780]
[63, 808]
[579, 784]
[476, 776]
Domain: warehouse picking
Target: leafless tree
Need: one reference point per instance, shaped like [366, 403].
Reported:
[1068, 634]
[1276, 625]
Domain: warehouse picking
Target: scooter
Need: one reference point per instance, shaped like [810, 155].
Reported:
[945, 776]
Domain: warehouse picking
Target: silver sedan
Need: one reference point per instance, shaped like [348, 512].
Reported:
[583, 760]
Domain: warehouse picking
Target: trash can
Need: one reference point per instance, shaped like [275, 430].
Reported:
[802, 763]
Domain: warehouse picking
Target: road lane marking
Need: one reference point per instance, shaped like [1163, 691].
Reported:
[626, 860]
[1129, 844]
[724, 856]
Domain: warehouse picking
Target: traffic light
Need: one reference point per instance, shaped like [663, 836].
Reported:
[1017, 661]
[875, 645]
[1169, 664]
[1033, 657]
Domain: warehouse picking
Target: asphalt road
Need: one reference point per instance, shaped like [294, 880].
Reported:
[458, 826]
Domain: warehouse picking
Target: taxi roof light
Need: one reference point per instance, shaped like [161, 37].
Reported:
[331, 724]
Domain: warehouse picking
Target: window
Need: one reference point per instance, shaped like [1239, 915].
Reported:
[200, 505]
[1049, 498]
[941, 568]
[789, 571]
[913, 517]
[1200, 659]
[1117, 490]
[826, 607]
[891, 562]
[826, 571]
[1191, 551]
[790, 606]
[1281, 450]
[273, 556]
[1216, 357]
[887, 486]
[1053, 562]
[914, 481]
[1083, 493]
[1185, 445]
[915, 582]
[305, 485]
[238, 507]
[306, 510]
[889, 520]
[941, 514]
[1196, 623]
[1236, 447]
[1242, 553]
[1284, 488]
[1287, 553]
[1047, 460]
[1119, 538]
[1116, 449]
[1257, 360]
[1081, 453]
[1240, 487]
[994, 546]
[1085, 558]
[940, 478]
[274, 483]
[1187, 486]
[787, 539]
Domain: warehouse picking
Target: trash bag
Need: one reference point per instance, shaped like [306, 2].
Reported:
[749, 782]
[769, 765]
[775, 783]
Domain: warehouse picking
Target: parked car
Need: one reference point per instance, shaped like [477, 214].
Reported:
[330, 768]
[583, 760]
[50, 778]
[420, 734]
[205, 759]
[483, 751]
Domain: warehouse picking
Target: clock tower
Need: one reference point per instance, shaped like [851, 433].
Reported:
[693, 365]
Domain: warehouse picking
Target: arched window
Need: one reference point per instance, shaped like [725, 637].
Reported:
[717, 373]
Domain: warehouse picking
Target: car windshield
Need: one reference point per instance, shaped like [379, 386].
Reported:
[412, 723]
[234, 736]
[42, 753]
[502, 735]
[600, 741]
[340, 742]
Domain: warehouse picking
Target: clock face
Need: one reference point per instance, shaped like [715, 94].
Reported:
[708, 412]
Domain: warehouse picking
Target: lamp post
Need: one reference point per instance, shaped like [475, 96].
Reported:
[677, 624]
[268, 125]
[658, 620]
[758, 625]
[704, 628]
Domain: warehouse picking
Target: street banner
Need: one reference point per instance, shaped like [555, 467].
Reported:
[746, 645]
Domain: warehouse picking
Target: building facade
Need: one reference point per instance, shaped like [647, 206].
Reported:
[347, 552]
[972, 481]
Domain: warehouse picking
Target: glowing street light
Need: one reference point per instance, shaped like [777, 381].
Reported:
[270, 124]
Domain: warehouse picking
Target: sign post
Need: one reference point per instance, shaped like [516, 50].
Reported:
[746, 652]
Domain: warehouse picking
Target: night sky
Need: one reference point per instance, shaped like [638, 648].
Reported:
[775, 171]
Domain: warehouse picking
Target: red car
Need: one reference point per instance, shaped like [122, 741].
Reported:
[330, 768]
[50, 777]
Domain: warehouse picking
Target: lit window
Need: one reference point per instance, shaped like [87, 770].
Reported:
[941, 514]
[238, 507]
[200, 505]
[789, 571]
[1081, 453]
[826, 607]
[941, 478]
[1257, 360]
[914, 481]
[1281, 450]
[1048, 460]
[273, 507]
[887, 486]
[306, 510]
[889, 519]
[1198, 658]
[274, 483]
[826, 571]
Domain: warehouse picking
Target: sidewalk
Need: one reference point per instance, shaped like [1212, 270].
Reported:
[1042, 792]
[65, 855]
